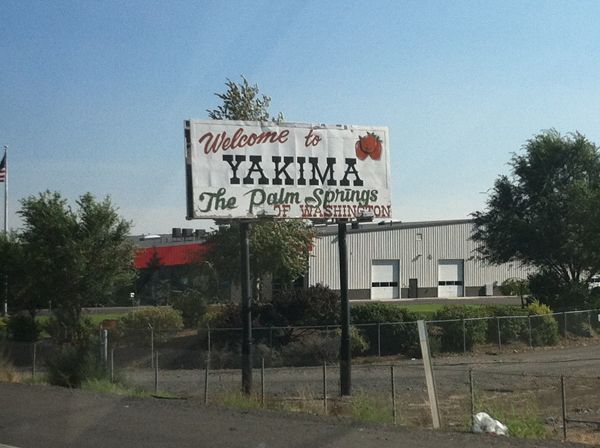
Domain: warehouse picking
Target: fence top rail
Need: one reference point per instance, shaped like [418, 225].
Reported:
[367, 324]
[441, 321]
[521, 316]
[580, 311]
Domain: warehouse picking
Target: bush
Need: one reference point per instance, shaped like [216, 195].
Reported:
[23, 328]
[550, 289]
[3, 327]
[311, 349]
[452, 338]
[79, 334]
[511, 329]
[358, 343]
[226, 316]
[192, 307]
[544, 327]
[515, 287]
[70, 366]
[8, 372]
[398, 335]
[316, 305]
[163, 320]
[380, 312]
[226, 357]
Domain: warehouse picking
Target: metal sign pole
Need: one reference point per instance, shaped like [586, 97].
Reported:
[246, 311]
[345, 349]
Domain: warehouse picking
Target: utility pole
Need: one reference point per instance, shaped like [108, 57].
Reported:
[345, 349]
[4, 170]
[246, 310]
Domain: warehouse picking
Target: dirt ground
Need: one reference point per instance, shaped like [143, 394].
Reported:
[55, 417]
[515, 383]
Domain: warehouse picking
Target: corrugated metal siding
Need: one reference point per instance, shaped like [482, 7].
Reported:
[418, 258]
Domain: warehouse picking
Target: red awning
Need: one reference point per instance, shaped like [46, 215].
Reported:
[171, 255]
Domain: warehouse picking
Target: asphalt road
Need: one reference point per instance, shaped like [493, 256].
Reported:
[36, 416]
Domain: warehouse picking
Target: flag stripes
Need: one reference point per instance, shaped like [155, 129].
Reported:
[3, 169]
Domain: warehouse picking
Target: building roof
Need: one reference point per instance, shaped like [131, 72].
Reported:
[171, 255]
[389, 225]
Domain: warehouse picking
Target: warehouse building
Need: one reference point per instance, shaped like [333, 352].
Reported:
[393, 260]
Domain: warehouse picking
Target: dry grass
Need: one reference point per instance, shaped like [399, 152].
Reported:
[583, 435]
[8, 373]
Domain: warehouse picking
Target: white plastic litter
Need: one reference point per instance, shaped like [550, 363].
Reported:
[482, 422]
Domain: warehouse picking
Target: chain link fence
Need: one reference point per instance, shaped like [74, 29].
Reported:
[296, 368]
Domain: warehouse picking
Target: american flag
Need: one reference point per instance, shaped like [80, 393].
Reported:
[3, 169]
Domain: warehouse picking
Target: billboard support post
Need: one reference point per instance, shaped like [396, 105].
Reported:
[246, 311]
[345, 349]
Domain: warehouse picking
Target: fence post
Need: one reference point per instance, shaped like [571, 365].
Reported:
[472, 393]
[379, 339]
[429, 377]
[151, 346]
[499, 338]
[262, 382]
[565, 319]
[33, 359]
[105, 348]
[156, 373]
[393, 393]
[530, 337]
[208, 341]
[207, 367]
[590, 323]
[464, 337]
[325, 387]
[563, 406]
[112, 364]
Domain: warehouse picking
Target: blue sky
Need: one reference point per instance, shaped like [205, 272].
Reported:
[93, 94]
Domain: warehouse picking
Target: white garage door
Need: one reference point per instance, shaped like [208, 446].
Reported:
[450, 278]
[385, 279]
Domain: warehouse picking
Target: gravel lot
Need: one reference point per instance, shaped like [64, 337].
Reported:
[513, 380]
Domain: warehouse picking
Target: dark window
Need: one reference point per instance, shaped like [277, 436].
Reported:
[384, 284]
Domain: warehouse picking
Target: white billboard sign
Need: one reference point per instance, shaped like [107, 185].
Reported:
[245, 169]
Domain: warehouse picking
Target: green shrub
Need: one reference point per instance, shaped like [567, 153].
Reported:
[80, 334]
[8, 372]
[380, 312]
[511, 329]
[581, 328]
[549, 288]
[316, 305]
[70, 366]
[226, 357]
[23, 328]
[358, 343]
[311, 348]
[3, 327]
[397, 335]
[452, 338]
[163, 320]
[515, 287]
[192, 307]
[544, 327]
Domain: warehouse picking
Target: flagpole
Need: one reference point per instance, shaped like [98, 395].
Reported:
[6, 190]
[5, 304]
